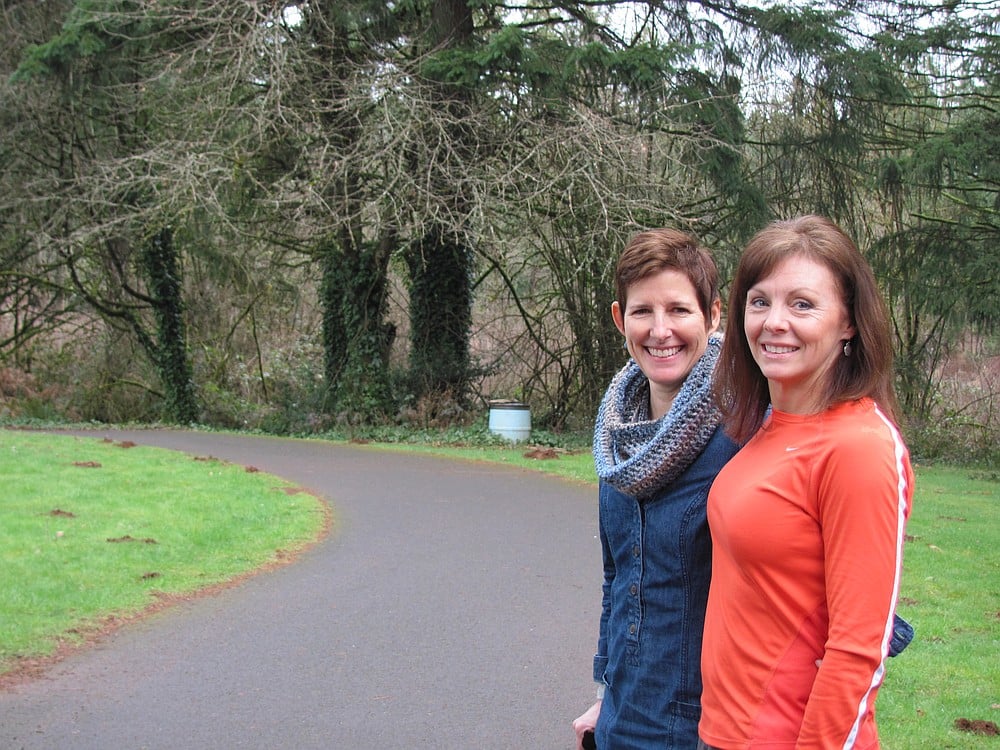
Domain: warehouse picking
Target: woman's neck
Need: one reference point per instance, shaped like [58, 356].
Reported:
[660, 402]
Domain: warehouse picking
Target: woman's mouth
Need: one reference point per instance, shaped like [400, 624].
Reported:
[775, 349]
[664, 352]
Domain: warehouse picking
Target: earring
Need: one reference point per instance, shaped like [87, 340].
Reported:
[847, 348]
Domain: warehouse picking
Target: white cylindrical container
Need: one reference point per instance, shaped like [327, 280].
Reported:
[510, 419]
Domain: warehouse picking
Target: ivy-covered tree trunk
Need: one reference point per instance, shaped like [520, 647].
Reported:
[356, 340]
[440, 262]
[340, 38]
[440, 314]
[158, 261]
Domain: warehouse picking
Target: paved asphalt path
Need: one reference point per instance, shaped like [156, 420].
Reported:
[454, 605]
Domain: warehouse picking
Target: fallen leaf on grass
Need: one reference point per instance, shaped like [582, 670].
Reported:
[148, 576]
[87, 464]
[62, 513]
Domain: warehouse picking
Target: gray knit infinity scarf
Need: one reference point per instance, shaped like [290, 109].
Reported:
[640, 456]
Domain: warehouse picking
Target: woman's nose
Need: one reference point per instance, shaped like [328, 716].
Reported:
[661, 326]
[777, 319]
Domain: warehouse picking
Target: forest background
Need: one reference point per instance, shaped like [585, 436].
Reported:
[340, 215]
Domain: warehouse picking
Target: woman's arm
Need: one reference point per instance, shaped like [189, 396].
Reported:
[864, 490]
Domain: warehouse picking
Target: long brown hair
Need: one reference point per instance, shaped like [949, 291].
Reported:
[740, 387]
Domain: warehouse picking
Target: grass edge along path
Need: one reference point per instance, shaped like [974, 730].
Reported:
[96, 533]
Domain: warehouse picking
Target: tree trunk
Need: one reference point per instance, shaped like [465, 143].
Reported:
[440, 262]
[356, 340]
[440, 314]
[354, 269]
[170, 356]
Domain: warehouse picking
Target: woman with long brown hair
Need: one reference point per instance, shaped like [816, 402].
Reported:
[808, 518]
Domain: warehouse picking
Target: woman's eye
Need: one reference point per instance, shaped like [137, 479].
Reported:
[802, 305]
[756, 302]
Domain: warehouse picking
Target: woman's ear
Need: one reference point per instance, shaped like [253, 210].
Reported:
[715, 316]
[619, 317]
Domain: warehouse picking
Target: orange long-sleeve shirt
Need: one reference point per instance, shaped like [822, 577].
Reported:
[807, 526]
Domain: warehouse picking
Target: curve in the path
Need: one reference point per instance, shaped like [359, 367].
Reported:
[454, 605]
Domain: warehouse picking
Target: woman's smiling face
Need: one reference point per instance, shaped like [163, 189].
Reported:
[796, 324]
[665, 332]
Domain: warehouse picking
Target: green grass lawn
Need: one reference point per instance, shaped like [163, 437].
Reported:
[951, 594]
[89, 529]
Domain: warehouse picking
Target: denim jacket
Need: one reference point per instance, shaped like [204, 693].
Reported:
[657, 567]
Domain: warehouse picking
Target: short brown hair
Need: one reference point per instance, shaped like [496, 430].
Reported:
[656, 250]
[741, 388]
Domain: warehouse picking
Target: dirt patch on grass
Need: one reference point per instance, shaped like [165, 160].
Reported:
[977, 726]
[128, 538]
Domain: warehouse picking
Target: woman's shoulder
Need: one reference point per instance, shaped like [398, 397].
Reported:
[859, 436]
[863, 419]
